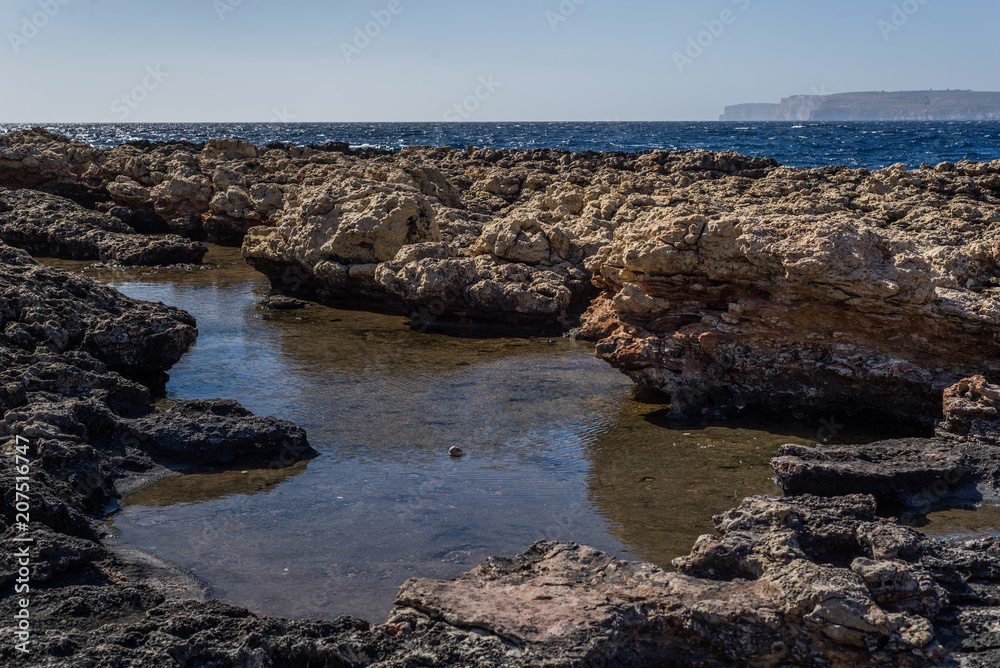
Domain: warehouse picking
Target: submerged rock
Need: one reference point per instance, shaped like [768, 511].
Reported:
[283, 303]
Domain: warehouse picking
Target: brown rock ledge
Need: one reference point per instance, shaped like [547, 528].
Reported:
[727, 282]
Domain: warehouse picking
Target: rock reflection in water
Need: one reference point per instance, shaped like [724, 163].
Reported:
[211, 486]
[557, 446]
[967, 523]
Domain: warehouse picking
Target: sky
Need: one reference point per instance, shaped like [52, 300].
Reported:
[474, 60]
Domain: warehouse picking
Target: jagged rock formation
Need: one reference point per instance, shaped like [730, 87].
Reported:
[928, 105]
[804, 581]
[726, 281]
[51, 226]
[959, 466]
[808, 289]
[478, 235]
[791, 312]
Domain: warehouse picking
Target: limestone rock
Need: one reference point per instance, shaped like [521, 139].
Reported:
[787, 313]
[803, 581]
[52, 226]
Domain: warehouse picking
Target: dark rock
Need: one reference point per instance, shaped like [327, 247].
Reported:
[960, 465]
[220, 432]
[51, 226]
[48, 310]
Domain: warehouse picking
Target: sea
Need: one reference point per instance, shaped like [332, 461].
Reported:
[805, 144]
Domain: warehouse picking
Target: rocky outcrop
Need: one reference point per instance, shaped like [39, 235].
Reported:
[807, 290]
[48, 311]
[726, 281]
[215, 433]
[867, 571]
[467, 236]
[77, 361]
[959, 466]
[518, 237]
[52, 226]
[44, 160]
[789, 314]
[804, 581]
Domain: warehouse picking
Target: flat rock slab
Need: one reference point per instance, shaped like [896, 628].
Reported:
[960, 465]
[218, 432]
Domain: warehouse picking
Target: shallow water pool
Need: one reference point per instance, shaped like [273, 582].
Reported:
[558, 446]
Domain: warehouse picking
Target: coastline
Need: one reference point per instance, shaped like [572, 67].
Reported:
[489, 236]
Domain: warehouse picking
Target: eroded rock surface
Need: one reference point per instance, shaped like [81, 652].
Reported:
[960, 465]
[726, 281]
[852, 573]
[52, 226]
[803, 581]
[792, 314]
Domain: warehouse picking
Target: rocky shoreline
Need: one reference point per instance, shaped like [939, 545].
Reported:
[732, 284]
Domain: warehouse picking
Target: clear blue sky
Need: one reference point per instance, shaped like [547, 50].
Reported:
[609, 59]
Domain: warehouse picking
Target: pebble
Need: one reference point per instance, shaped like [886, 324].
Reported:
[456, 451]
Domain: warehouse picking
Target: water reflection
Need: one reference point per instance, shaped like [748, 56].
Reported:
[979, 522]
[203, 487]
[558, 444]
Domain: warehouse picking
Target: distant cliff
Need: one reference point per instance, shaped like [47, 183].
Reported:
[928, 105]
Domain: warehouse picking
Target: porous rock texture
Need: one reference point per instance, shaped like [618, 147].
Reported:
[804, 581]
[959, 465]
[726, 281]
[789, 313]
[52, 226]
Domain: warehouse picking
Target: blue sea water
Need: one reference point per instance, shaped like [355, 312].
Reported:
[804, 144]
